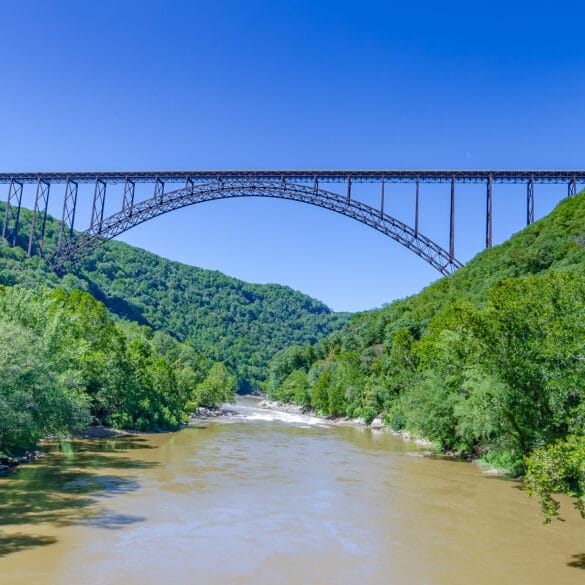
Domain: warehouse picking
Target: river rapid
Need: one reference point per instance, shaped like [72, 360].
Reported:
[264, 497]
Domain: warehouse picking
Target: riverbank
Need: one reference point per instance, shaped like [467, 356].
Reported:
[377, 424]
[204, 415]
[9, 465]
[102, 432]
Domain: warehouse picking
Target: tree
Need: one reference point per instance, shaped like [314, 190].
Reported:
[558, 468]
[33, 402]
[218, 387]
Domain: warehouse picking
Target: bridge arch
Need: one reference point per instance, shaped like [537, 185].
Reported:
[83, 243]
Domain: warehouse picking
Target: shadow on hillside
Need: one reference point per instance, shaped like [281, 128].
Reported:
[66, 487]
[118, 305]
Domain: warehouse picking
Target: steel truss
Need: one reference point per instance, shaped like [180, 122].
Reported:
[159, 204]
[41, 207]
[68, 216]
[12, 212]
[298, 185]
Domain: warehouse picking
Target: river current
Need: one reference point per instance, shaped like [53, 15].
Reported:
[263, 497]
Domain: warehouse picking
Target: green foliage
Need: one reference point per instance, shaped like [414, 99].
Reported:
[218, 387]
[65, 359]
[559, 467]
[505, 460]
[293, 358]
[240, 324]
[33, 402]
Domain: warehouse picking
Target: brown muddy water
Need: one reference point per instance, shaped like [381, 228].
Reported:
[269, 498]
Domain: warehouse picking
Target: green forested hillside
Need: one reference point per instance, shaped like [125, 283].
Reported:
[174, 337]
[235, 322]
[490, 360]
[238, 323]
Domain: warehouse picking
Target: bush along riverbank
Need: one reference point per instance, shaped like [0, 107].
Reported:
[489, 361]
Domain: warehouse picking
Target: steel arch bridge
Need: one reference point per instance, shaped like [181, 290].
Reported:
[201, 186]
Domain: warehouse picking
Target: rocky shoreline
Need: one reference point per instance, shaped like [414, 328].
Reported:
[203, 414]
[8, 465]
[377, 424]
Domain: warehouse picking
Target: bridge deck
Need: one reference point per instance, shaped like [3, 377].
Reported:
[304, 176]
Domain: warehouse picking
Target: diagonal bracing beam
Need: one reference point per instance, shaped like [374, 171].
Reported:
[128, 197]
[98, 205]
[68, 216]
[12, 212]
[40, 209]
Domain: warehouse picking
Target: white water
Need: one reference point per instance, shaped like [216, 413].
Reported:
[250, 410]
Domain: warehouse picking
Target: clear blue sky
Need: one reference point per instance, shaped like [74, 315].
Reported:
[219, 84]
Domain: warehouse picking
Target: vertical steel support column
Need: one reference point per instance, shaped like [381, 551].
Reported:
[189, 183]
[128, 197]
[348, 188]
[452, 222]
[488, 213]
[573, 187]
[382, 200]
[17, 218]
[41, 205]
[14, 193]
[416, 209]
[68, 216]
[315, 184]
[530, 202]
[98, 205]
[159, 189]
[6, 209]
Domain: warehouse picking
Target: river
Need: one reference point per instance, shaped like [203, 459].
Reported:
[270, 498]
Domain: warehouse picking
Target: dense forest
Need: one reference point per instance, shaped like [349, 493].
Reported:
[240, 324]
[132, 340]
[489, 361]
[67, 363]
